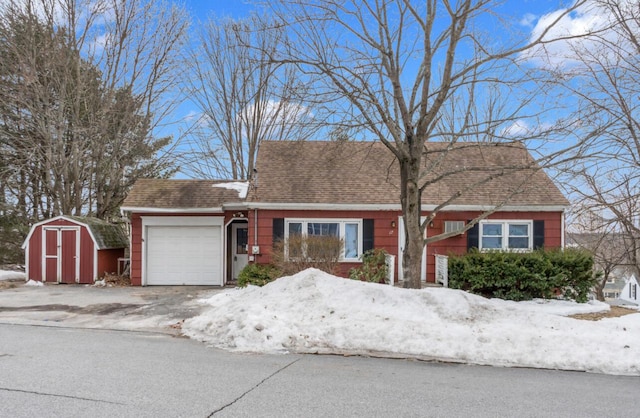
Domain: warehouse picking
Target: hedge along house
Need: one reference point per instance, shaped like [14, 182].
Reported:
[348, 189]
[73, 249]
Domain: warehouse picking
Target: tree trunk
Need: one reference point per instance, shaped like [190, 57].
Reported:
[411, 196]
[599, 288]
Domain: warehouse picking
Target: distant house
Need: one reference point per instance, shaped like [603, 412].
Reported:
[205, 232]
[612, 254]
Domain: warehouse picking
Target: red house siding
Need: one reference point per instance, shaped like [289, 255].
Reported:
[386, 231]
[385, 225]
[34, 255]
[87, 251]
[108, 261]
[135, 252]
[385, 236]
[458, 245]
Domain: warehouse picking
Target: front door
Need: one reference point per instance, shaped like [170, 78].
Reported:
[239, 247]
[61, 258]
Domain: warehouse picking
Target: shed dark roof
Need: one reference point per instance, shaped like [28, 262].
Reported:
[107, 235]
[176, 194]
[367, 173]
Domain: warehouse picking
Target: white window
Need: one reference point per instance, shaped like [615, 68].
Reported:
[506, 235]
[349, 230]
[453, 226]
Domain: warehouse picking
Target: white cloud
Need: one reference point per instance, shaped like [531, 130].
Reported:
[192, 115]
[518, 128]
[278, 118]
[528, 20]
[99, 43]
[572, 34]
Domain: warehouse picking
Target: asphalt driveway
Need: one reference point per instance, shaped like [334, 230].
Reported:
[157, 309]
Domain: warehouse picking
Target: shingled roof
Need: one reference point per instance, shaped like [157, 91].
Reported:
[106, 235]
[365, 173]
[183, 194]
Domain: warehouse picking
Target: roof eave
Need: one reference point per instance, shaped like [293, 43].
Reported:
[397, 207]
[137, 209]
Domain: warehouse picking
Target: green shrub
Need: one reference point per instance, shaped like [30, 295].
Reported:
[373, 269]
[258, 275]
[524, 276]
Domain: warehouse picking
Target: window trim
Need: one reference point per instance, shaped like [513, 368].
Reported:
[342, 222]
[505, 234]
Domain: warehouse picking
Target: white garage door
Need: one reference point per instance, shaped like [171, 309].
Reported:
[184, 255]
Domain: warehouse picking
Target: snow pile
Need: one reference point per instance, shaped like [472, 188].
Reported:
[33, 283]
[557, 307]
[314, 312]
[242, 187]
[11, 275]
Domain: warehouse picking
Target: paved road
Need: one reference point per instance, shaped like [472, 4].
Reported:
[71, 372]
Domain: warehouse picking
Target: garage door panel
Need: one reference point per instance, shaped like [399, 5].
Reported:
[178, 255]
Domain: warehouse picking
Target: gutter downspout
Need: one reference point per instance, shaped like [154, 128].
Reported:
[255, 231]
[562, 230]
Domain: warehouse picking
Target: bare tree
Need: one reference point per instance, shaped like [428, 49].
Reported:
[411, 72]
[242, 98]
[138, 47]
[604, 78]
[86, 84]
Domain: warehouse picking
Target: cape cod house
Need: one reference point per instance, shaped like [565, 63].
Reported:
[203, 232]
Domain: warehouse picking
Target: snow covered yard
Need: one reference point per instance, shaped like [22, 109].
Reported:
[314, 312]
[11, 275]
[8, 278]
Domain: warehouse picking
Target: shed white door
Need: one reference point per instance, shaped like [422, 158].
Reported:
[184, 255]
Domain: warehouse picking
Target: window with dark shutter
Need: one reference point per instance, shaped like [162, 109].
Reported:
[278, 229]
[367, 234]
[473, 235]
[538, 234]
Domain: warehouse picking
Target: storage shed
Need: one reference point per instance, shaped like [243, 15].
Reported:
[73, 249]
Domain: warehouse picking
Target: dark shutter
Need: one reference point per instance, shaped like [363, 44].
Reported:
[538, 234]
[278, 229]
[367, 234]
[473, 236]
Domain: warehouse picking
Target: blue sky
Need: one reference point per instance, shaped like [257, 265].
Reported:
[520, 9]
[524, 14]
[231, 8]
[522, 18]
